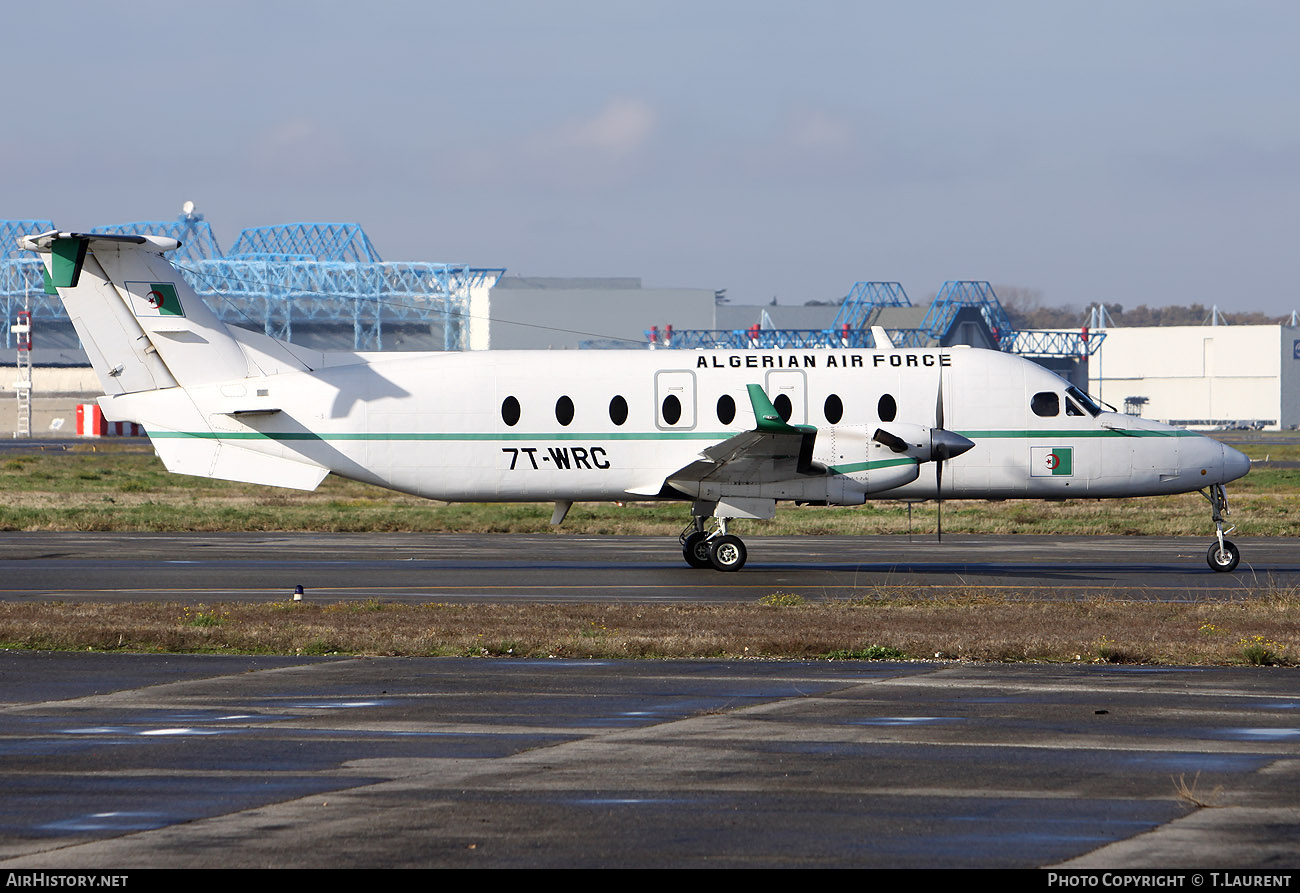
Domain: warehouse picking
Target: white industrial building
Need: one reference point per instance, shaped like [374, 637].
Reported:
[1202, 376]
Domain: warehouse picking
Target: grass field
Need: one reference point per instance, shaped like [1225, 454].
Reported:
[111, 487]
[889, 624]
[116, 488]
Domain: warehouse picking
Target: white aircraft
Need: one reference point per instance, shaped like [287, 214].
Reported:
[731, 432]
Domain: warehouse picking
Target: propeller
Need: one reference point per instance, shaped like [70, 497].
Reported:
[945, 453]
[944, 445]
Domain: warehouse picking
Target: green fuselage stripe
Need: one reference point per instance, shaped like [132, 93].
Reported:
[1058, 433]
[1026, 433]
[445, 435]
[871, 466]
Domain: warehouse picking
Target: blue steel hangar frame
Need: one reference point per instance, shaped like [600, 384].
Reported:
[276, 276]
[851, 326]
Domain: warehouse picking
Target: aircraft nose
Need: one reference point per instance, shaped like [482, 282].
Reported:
[1235, 463]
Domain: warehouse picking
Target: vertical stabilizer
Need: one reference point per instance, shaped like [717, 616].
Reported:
[141, 324]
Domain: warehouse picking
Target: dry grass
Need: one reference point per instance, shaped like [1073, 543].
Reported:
[1190, 794]
[116, 488]
[890, 623]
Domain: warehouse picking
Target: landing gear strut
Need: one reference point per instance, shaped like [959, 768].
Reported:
[717, 549]
[1223, 555]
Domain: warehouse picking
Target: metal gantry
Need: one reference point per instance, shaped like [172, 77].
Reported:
[275, 276]
[274, 293]
[346, 242]
[850, 328]
[13, 230]
[864, 300]
[861, 307]
[22, 287]
[958, 293]
[1056, 343]
[755, 338]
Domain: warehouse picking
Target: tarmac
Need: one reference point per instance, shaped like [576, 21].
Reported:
[192, 761]
[417, 568]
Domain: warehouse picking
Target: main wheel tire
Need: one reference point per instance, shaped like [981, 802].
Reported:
[1223, 560]
[727, 553]
[695, 549]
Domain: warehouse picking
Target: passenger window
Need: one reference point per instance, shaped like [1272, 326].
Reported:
[618, 410]
[564, 410]
[833, 410]
[726, 409]
[784, 408]
[886, 409]
[510, 411]
[672, 409]
[1046, 404]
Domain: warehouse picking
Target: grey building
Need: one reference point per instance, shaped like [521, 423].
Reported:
[532, 312]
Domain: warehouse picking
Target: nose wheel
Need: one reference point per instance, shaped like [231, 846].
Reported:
[1223, 555]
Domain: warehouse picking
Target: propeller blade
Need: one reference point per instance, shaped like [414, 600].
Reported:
[938, 499]
[941, 447]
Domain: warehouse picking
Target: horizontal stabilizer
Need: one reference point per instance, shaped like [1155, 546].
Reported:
[210, 458]
[188, 444]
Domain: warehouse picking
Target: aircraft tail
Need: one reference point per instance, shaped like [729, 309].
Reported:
[139, 321]
[151, 340]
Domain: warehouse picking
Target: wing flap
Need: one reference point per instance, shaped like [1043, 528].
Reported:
[773, 451]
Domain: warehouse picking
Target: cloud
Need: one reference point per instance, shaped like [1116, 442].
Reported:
[814, 130]
[621, 128]
[299, 148]
[601, 150]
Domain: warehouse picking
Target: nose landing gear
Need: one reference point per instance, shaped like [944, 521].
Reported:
[1223, 555]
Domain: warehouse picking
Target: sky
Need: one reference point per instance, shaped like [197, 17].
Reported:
[1115, 150]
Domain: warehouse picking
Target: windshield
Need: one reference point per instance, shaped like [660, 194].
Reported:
[1084, 400]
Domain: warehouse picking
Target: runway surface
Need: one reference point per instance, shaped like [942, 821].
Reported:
[563, 568]
[138, 761]
[141, 761]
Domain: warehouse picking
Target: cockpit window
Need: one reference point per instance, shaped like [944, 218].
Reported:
[1046, 404]
[1072, 408]
[1084, 400]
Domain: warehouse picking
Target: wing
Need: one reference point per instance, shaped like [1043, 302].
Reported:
[773, 451]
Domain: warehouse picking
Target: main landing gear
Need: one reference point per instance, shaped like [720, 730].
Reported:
[717, 549]
[1223, 555]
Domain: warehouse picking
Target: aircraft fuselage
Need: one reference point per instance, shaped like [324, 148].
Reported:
[614, 425]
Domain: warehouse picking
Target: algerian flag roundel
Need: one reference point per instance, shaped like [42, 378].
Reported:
[155, 299]
[1051, 461]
